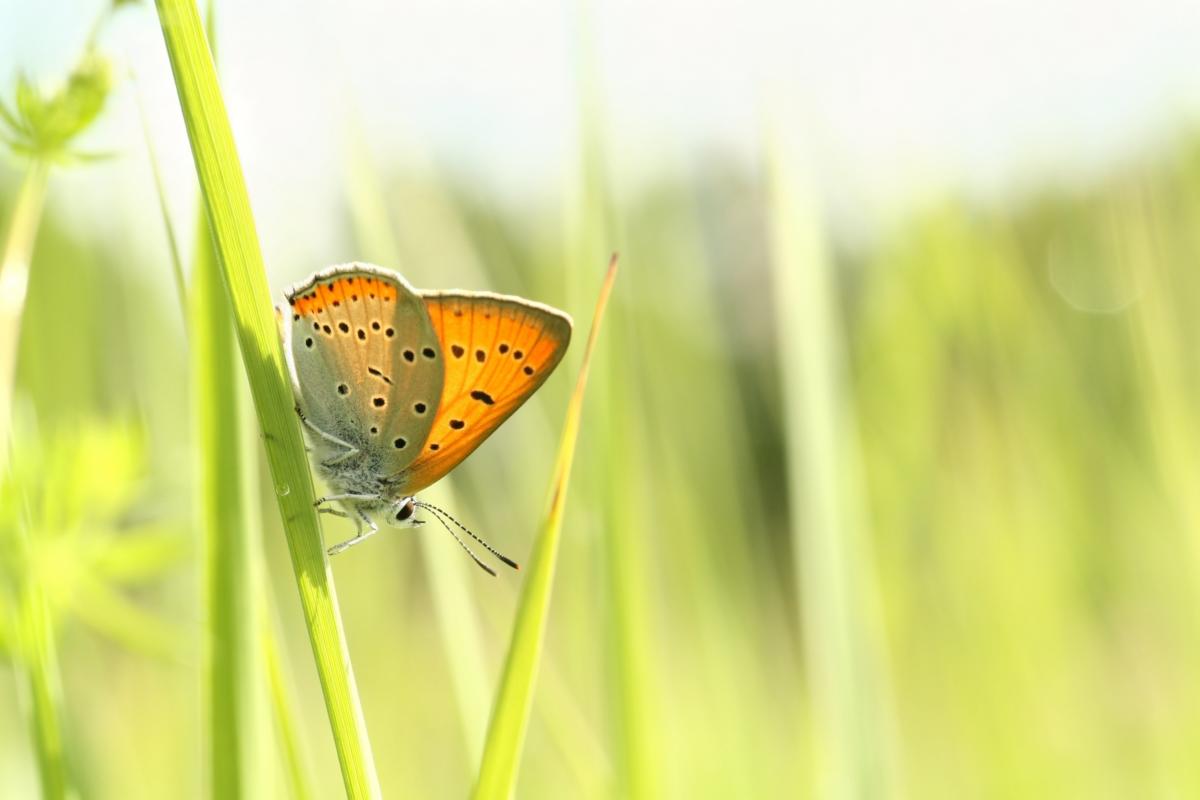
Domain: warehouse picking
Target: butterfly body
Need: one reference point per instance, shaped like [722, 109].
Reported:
[397, 386]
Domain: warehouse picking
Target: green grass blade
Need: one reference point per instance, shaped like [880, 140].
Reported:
[228, 205]
[832, 566]
[228, 591]
[233, 664]
[232, 558]
[510, 716]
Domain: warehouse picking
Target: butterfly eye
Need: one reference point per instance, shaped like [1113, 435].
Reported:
[405, 511]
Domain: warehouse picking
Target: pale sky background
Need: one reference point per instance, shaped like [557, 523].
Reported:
[897, 99]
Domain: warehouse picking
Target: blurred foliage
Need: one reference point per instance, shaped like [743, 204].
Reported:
[72, 526]
[1022, 380]
[70, 545]
[42, 125]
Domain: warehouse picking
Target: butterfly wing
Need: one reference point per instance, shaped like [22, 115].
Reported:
[366, 362]
[498, 350]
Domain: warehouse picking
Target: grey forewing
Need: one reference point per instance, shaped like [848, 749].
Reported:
[370, 374]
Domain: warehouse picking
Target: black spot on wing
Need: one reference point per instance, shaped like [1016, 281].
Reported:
[380, 375]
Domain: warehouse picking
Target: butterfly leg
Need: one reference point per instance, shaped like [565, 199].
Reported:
[371, 529]
[359, 518]
[329, 498]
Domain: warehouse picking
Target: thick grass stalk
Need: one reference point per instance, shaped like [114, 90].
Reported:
[832, 566]
[510, 714]
[14, 283]
[228, 206]
[230, 676]
[211, 459]
[220, 658]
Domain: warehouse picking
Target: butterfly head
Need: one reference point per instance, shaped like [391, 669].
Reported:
[400, 514]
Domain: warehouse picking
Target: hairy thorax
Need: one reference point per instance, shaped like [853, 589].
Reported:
[358, 473]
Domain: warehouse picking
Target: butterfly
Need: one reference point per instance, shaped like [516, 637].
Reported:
[396, 386]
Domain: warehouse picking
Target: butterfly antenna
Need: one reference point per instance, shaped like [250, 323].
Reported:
[463, 544]
[439, 513]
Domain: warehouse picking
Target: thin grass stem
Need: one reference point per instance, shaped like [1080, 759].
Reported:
[39, 660]
[14, 284]
[181, 292]
[296, 762]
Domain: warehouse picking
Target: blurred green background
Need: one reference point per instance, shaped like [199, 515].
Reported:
[865, 505]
